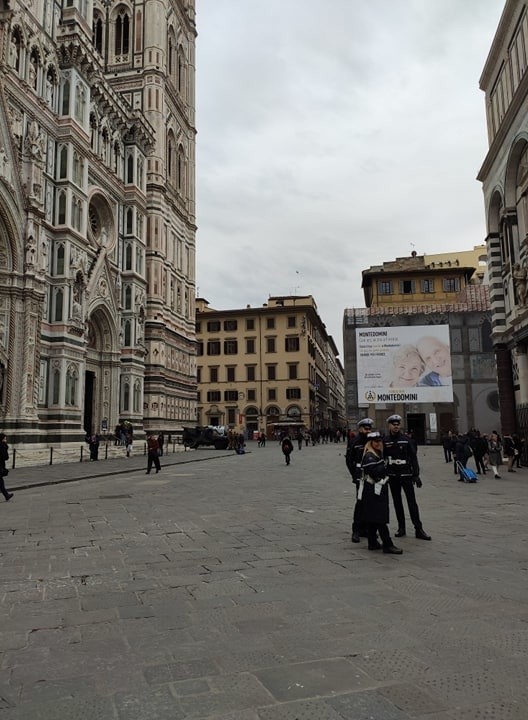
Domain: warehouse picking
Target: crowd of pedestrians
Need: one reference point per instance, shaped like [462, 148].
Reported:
[489, 451]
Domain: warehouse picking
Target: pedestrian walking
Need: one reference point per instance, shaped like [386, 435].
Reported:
[4, 457]
[129, 441]
[463, 452]
[161, 441]
[510, 451]
[447, 441]
[300, 438]
[404, 473]
[373, 494]
[494, 453]
[153, 454]
[287, 448]
[93, 444]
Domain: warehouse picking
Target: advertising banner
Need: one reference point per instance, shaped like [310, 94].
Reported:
[404, 364]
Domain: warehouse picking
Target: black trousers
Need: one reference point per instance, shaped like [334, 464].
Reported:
[358, 526]
[479, 462]
[447, 454]
[3, 487]
[152, 458]
[396, 487]
[372, 533]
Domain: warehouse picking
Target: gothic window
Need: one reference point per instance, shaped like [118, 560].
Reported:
[139, 261]
[170, 54]
[93, 131]
[78, 169]
[129, 221]
[71, 386]
[77, 213]
[63, 162]
[181, 70]
[122, 33]
[128, 333]
[170, 158]
[59, 303]
[65, 106]
[59, 259]
[117, 158]
[128, 297]
[180, 172]
[126, 397]
[130, 169]
[105, 141]
[56, 387]
[97, 33]
[128, 257]
[61, 208]
[139, 180]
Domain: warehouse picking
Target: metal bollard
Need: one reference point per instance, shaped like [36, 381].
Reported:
[82, 448]
[51, 456]
[14, 459]
[106, 451]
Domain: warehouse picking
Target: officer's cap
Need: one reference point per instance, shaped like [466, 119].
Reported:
[374, 435]
[394, 419]
[365, 422]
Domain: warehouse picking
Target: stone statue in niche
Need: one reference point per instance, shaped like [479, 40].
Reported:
[520, 279]
[34, 141]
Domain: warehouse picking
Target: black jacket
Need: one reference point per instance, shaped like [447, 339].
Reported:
[354, 455]
[400, 453]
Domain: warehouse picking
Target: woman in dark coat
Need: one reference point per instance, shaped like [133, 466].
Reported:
[374, 495]
[4, 457]
[287, 448]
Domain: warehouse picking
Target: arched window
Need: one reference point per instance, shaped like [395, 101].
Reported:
[65, 107]
[56, 387]
[128, 297]
[181, 71]
[129, 221]
[59, 302]
[61, 209]
[117, 158]
[171, 158]
[97, 33]
[122, 33]
[170, 55]
[78, 169]
[59, 260]
[128, 333]
[128, 257]
[63, 162]
[180, 175]
[71, 386]
[130, 169]
[126, 397]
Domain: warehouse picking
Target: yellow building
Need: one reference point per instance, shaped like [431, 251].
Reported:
[420, 279]
[269, 367]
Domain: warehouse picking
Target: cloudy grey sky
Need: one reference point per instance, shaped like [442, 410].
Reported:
[334, 135]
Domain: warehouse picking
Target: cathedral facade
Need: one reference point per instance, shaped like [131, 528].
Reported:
[97, 217]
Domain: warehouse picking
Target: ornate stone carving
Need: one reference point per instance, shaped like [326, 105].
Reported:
[520, 278]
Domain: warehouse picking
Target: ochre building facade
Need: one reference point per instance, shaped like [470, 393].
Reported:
[268, 368]
[97, 217]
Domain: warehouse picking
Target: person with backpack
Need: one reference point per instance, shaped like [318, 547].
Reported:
[287, 448]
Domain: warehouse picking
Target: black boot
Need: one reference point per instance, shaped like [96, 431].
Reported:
[422, 535]
[400, 532]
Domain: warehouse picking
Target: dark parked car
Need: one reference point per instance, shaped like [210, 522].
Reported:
[193, 437]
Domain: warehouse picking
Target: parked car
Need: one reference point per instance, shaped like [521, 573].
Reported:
[193, 437]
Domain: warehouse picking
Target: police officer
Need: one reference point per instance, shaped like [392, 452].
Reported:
[354, 458]
[404, 472]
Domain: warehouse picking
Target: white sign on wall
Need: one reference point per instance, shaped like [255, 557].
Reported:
[404, 364]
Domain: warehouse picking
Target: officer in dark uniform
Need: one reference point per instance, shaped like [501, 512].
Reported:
[404, 472]
[354, 458]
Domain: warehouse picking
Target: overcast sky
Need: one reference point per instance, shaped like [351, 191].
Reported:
[334, 135]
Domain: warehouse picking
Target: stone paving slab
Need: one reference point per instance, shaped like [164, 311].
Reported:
[226, 588]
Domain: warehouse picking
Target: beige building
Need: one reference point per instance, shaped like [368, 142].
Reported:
[504, 177]
[268, 367]
[97, 217]
[422, 279]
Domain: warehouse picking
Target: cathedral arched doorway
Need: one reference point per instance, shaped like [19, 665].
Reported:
[101, 379]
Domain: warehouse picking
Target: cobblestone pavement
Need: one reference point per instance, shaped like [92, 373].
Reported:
[228, 589]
